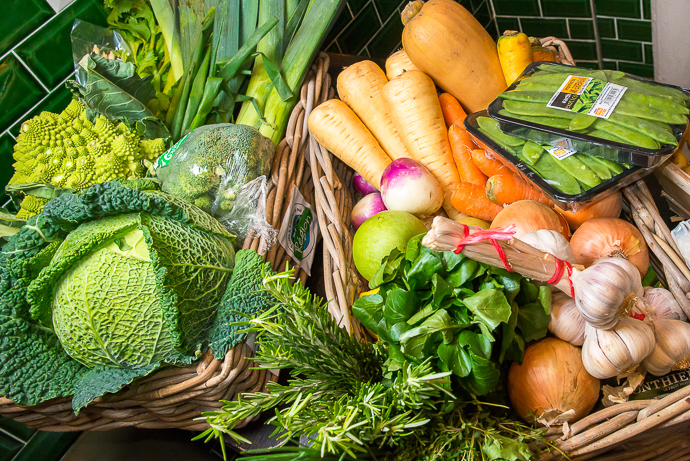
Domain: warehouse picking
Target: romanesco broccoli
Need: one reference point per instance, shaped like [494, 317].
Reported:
[67, 150]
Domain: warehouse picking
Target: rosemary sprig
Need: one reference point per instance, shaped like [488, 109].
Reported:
[337, 396]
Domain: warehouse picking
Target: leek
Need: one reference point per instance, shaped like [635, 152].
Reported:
[166, 21]
[295, 65]
[270, 48]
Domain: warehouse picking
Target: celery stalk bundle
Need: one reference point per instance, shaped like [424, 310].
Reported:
[217, 44]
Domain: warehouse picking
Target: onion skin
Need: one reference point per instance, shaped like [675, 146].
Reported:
[529, 216]
[608, 207]
[361, 185]
[610, 237]
[552, 376]
[406, 185]
[366, 208]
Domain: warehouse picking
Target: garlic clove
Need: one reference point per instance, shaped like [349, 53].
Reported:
[672, 349]
[593, 357]
[566, 322]
[661, 304]
[608, 353]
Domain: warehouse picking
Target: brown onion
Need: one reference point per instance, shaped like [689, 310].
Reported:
[610, 237]
[529, 216]
[550, 382]
[608, 207]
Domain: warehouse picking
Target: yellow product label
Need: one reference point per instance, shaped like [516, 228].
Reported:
[574, 84]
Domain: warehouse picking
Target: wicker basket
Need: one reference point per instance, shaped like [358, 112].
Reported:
[175, 397]
[636, 430]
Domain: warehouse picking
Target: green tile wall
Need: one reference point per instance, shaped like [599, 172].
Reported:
[625, 29]
[373, 27]
[35, 61]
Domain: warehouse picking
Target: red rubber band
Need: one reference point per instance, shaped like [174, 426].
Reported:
[637, 316]
[570, 280]
[560, 267]
[492, 235]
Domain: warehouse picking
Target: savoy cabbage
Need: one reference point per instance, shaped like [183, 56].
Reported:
[104, 287]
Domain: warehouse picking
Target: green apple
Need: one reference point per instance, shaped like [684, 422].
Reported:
[379, 234]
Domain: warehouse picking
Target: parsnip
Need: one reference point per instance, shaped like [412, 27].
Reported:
[397, 63]
[337, 128]
[359, 86]
[413, 105]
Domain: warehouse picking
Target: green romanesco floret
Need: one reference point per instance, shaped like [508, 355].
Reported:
[52, 148]
[243, 299]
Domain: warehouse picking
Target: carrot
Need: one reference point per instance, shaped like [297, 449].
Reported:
[470, 199]
[453, 113]
[397, 63]
[413, 105]
[359, 86]
[338, 129]
[507, 188]
[461, 145]
[487, 164]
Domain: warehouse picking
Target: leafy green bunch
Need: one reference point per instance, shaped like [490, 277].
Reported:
[338, 398]
[468, 317]
[135, 21]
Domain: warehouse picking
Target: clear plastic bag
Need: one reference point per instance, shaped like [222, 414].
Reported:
[681, 235]
[248, 216]
[214, 167]
[89, 38]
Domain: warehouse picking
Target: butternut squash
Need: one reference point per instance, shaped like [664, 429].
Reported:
[447, 43]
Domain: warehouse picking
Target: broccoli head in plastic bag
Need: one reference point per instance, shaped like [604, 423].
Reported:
[209, 166]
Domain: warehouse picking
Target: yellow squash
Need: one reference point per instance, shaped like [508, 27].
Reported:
[515, 53]
[447, 43]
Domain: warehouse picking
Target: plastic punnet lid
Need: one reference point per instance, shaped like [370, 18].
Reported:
[642, 120]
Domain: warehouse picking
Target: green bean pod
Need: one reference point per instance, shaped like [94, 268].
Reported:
[597, 167]
[625, 107]
[492, 127]
[653, 90]
[527, 96]
[535, 109]
[655, 102]
[532, 152]
[505, 147]
[580, 171]
[581, 122]
[605, 135]
[644, 127]
[561, 123]
[554, 174]
[628, 136]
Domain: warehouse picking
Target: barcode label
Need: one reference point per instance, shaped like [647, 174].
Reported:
[586, 95]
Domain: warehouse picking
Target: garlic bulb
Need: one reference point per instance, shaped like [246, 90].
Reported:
[550, 241]
[629, 268]
[661, 304]
[608, 353]
[607, 291]
[566, 322]
[672, 349]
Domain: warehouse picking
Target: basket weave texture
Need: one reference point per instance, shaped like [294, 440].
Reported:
[632, 431]
[176, 397]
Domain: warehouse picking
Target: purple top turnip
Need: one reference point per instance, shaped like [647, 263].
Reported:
[366, 208]
[407, 185]
[361, 185]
